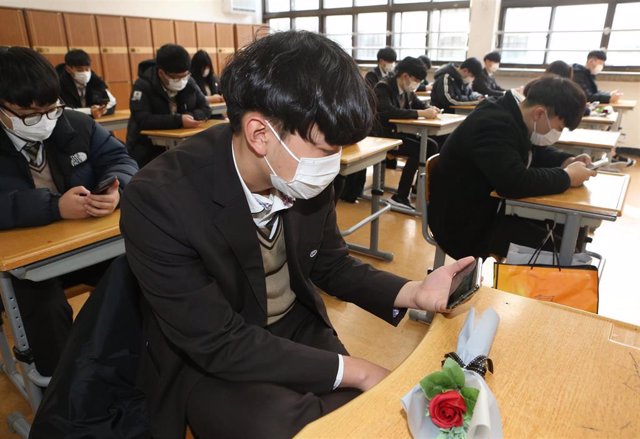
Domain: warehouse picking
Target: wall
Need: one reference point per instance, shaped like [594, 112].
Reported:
[198, 10]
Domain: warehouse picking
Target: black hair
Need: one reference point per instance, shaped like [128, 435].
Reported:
[27, 78]
[173, 58]
[473, 65]
[300, 79]
[598, 54]
[200, 61]
[563, 97]
[387, 54]
[560, 68]
[412, 66]
[493, 56]
[425, 60]
[77, 58]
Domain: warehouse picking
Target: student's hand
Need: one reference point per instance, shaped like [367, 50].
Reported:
[72, 204]
[189, 122]
[579, 173]
[104, 204]
[429, 87]
[615, 96]
[429, 113]
[98, 111]
[584, 158]
[361, 374]
[214, 99]
[432, 293]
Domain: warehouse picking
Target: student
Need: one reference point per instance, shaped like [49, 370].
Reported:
[387, 58]
[202, 73]
[397, 100]
[585, 76]
[424, 84]
[561, 69]
[163, 97]
[230, 235]
[493, 149]
[452, 85]
[50, 161]
[485, 83]
[81, 88]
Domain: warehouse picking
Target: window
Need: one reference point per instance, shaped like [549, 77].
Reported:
[624, 41]
[371, 34]
[340, 29]
[410, 33]
[449, 34]
[306, 23]
[576, 30]
[305, 5]
[277, 5]
[279, 24]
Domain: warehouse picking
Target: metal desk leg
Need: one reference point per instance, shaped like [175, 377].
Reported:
[376, 211]
[569, 238]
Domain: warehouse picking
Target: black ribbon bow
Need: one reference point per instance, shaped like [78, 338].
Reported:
[480, 364]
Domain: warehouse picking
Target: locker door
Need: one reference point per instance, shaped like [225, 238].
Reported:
[13, 29]
[162, 33]
[112, 39]
[226, 44]
[243, 35]
[260, 30]
[206, 37]
[186, 35]
[139, 42]
[47, 35]
[82, 34]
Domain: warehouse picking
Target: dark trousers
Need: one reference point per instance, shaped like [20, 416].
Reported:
[410, 148]
[219, 409]
[349, 188]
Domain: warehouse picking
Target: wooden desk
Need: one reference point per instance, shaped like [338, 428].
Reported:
[463, 109]
[369, 152]
[116, 121]
[444, 124]
[622, 106]
[592, 141]
[599, 122]
[40, 253]
[218, 108]
[172, 138]
[559, 373]
[600, 198]
[423, 93]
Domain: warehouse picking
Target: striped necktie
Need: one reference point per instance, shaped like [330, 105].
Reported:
[32, 149]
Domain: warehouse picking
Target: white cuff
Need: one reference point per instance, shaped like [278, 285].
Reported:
[340, 373]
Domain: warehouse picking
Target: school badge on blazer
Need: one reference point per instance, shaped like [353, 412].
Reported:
[78, 158]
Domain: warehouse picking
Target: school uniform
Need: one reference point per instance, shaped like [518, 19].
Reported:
[587, 81]
[486, 85]
[374, 76]
[76, 96]
[449, 89]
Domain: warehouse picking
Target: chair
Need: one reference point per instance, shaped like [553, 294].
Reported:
[428, 236]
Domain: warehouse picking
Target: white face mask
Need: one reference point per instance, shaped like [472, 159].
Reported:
[550, 138]
[34, 133]
[82, 77]
[494, 67]
[467, 79]
[387, 68]
[597, 69]
[177, 84]
[206, 72]
[412, 87]
[312, 175]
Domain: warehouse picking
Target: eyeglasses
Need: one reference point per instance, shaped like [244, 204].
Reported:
[33, 118]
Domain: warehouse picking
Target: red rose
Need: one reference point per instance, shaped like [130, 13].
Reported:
[447, 409]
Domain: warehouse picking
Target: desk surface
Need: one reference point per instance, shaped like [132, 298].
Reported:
[367, 147]
[117, 116]
[590, 138]
[182, 133]
[442, 120]
[423, 93]
[608, 119]
[464, 107]
[603, 194]
[27, 245]
[622, 104]
[559, 373]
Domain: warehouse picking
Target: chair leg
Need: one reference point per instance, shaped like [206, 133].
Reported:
[439, 258]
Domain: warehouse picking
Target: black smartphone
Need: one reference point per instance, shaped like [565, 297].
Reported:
[105, 184]
[465, 283]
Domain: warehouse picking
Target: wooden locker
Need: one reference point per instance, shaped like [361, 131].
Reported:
[139, 42]
[243, 35]
[226, 43]
[260, 31]
[206, 37]
[112, 39]
[162, 33]
[186, 35]
[47, 35]
[82, 34]
[13, 29]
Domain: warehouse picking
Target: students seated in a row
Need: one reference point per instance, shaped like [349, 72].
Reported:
[238, 342]
[585, 76]
[504, 145]
[163, 97]
[387, 58]
[452, 85]
[485, 83]
[202, 72]
[396, 99]
[81, 88]
[50, 161]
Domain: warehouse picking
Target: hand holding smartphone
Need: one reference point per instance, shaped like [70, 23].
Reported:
[104, 185]
[465, 283]
[599, 164]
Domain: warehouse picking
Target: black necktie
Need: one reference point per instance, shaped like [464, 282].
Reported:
[403, 100]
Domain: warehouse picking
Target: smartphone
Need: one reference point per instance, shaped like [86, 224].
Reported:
[103, 101]
[105, 184]
[465, 283]
[599, 164]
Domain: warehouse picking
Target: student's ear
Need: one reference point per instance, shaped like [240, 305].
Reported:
[255, 130]
[68, 69]
[538, 113]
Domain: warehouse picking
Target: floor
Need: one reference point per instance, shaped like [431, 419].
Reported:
[369, 337]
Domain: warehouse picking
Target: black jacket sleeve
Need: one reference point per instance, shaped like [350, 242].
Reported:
[386, 108]
[202, 109]
[584, 80]
[484, 85]
[548, 157]
[28, 208]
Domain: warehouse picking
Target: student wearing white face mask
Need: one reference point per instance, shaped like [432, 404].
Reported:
[485, 83]
[452, 85]
[163, 97]
[505, 145]
[387, 58]
[202, 73]
[231, 235]
[585, 76]
[81, 88]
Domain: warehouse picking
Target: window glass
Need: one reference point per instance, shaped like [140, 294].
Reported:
[306, 23]
[337, 3]
[370, 2]
[525, 35]
[278, 24]
[305, 5]
[371, 34]
[576, 30]
[410, 33]
[624, 41]
[448, 34]
[339, 28]
[278, 5]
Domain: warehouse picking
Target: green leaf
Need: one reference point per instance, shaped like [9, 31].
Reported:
[470, 395]
[454, 371]
[436, 383]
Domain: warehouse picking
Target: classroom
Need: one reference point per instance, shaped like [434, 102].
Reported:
[319, 219]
